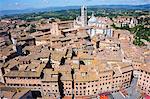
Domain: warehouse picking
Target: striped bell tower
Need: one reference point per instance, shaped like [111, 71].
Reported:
[84, 16]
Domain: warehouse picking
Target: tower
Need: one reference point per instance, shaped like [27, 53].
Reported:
[83, 16]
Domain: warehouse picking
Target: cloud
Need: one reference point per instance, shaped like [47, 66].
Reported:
[45, 1]
[88, 0]
[16, 3]
[146, 1]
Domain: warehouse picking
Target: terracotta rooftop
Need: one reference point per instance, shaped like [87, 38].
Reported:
[50, 75]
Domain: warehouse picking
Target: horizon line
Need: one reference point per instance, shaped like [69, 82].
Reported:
[77, 6]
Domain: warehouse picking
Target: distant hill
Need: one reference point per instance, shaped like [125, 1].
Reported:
[142, 7]
[31, 10]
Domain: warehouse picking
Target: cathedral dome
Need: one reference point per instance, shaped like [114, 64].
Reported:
[92, 19]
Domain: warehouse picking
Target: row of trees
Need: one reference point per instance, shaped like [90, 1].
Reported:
[141, 34]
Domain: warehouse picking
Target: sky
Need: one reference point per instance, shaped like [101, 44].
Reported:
[25, 4]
